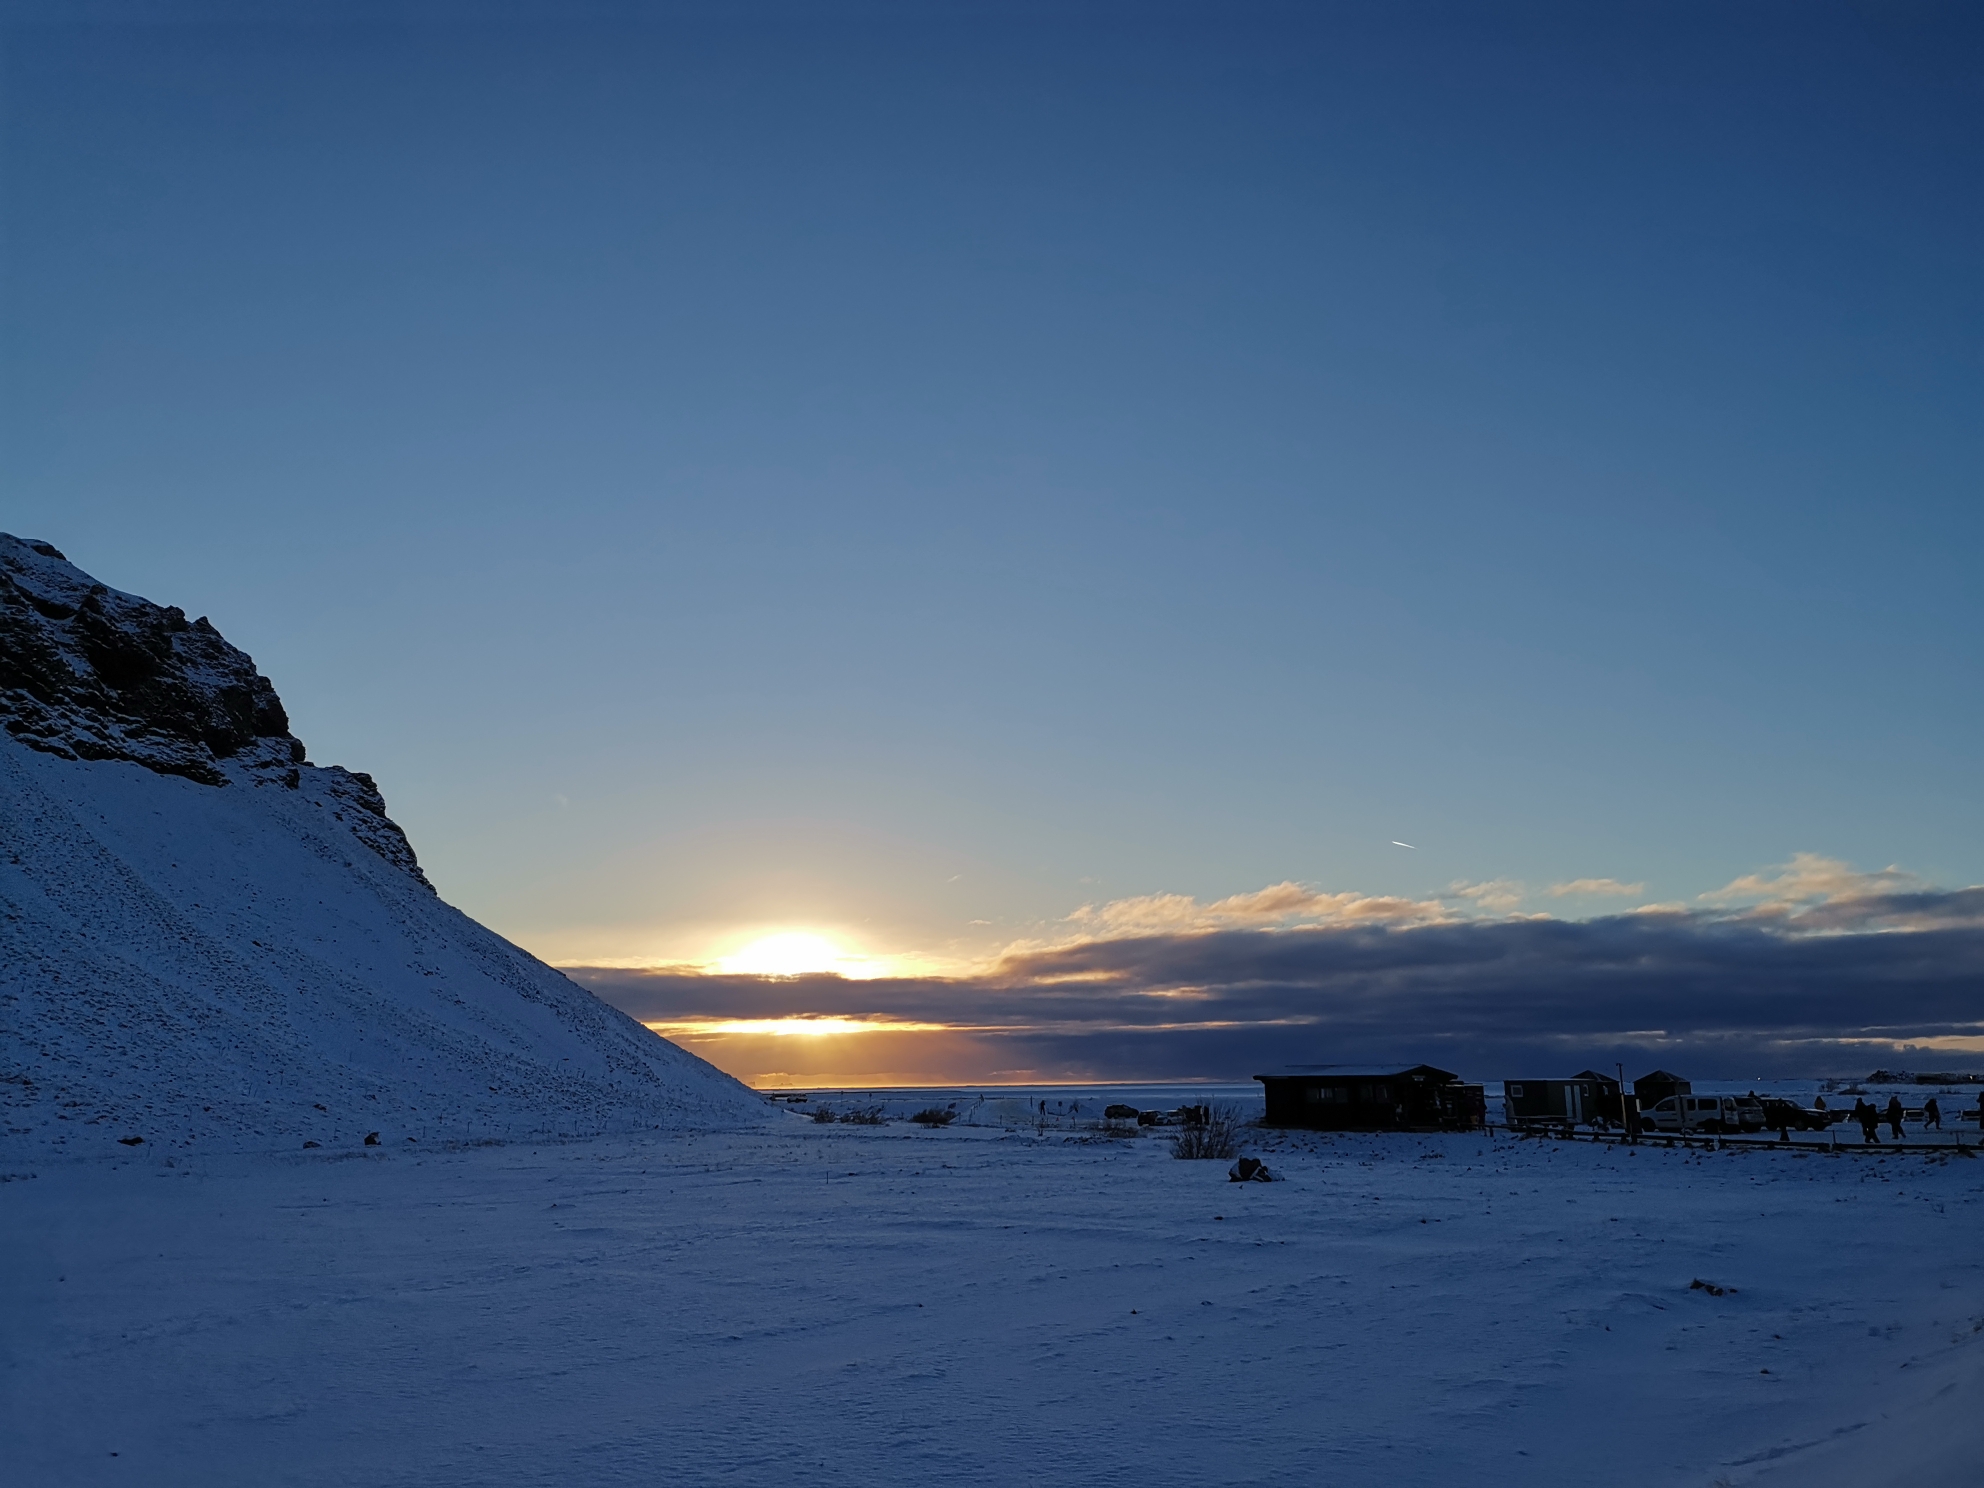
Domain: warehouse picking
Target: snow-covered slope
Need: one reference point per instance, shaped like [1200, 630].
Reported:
[205, 940]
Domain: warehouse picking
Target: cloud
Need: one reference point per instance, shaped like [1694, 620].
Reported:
[1816, 895]
[1926, 910]
[1278, 904]
[1596, 886]
[1810, 879]
[1860, 972]
[1497, 894]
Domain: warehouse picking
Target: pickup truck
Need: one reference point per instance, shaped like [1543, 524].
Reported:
[1705, 1113]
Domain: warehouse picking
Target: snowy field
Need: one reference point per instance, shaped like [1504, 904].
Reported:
[884, 1305]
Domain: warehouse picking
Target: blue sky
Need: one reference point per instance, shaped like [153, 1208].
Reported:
[904, 473]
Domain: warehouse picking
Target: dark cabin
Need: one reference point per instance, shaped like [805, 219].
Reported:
[1583, 1100]
[1390, 1097]
[1656, 1087]
[1610, 1097]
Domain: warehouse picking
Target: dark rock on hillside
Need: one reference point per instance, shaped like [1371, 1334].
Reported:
[88, 672]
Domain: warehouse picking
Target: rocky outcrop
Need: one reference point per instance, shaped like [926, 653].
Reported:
[88, 672]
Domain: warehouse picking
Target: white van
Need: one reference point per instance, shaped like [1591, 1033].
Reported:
[1704, 1113]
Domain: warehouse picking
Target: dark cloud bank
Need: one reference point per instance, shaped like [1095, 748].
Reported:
[1717, 995]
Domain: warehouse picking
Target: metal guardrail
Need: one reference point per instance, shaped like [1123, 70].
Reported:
[1829, 1140]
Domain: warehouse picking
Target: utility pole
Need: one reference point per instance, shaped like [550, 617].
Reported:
[1625, 1122]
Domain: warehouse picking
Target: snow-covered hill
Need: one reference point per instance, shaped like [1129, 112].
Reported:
[205, 940]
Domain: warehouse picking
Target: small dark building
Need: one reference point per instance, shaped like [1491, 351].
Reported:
[1615, 1107]
[1656, 1087]
[1348, 1097]
[1588, 1099]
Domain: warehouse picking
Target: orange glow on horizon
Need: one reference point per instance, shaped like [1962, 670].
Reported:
[797, 953]
[800, 1024]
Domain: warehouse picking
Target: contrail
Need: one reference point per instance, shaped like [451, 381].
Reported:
[1397, 843]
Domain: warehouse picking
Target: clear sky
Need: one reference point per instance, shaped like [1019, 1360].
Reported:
[902, 474]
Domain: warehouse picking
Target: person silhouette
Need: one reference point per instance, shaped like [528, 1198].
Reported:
[1779, 1116]
[1894, 1116]
[1870, 1121]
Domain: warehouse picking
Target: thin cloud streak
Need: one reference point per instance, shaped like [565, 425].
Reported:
[1278, 904]
[1595, 887]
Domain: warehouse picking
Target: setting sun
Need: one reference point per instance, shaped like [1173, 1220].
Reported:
[795, 953]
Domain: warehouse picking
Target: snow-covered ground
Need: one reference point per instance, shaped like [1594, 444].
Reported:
[885, 1305]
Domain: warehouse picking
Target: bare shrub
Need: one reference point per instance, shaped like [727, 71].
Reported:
[823, 1114]
[934, 1116]
[1218, 1136]
[864, 1116]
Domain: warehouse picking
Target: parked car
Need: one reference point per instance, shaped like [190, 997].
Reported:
[1780, 1112]
[1716, 1114]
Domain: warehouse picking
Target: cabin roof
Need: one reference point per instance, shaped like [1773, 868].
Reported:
[1356, 1072]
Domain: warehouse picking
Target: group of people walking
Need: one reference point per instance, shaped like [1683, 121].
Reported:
[1870, 1116]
